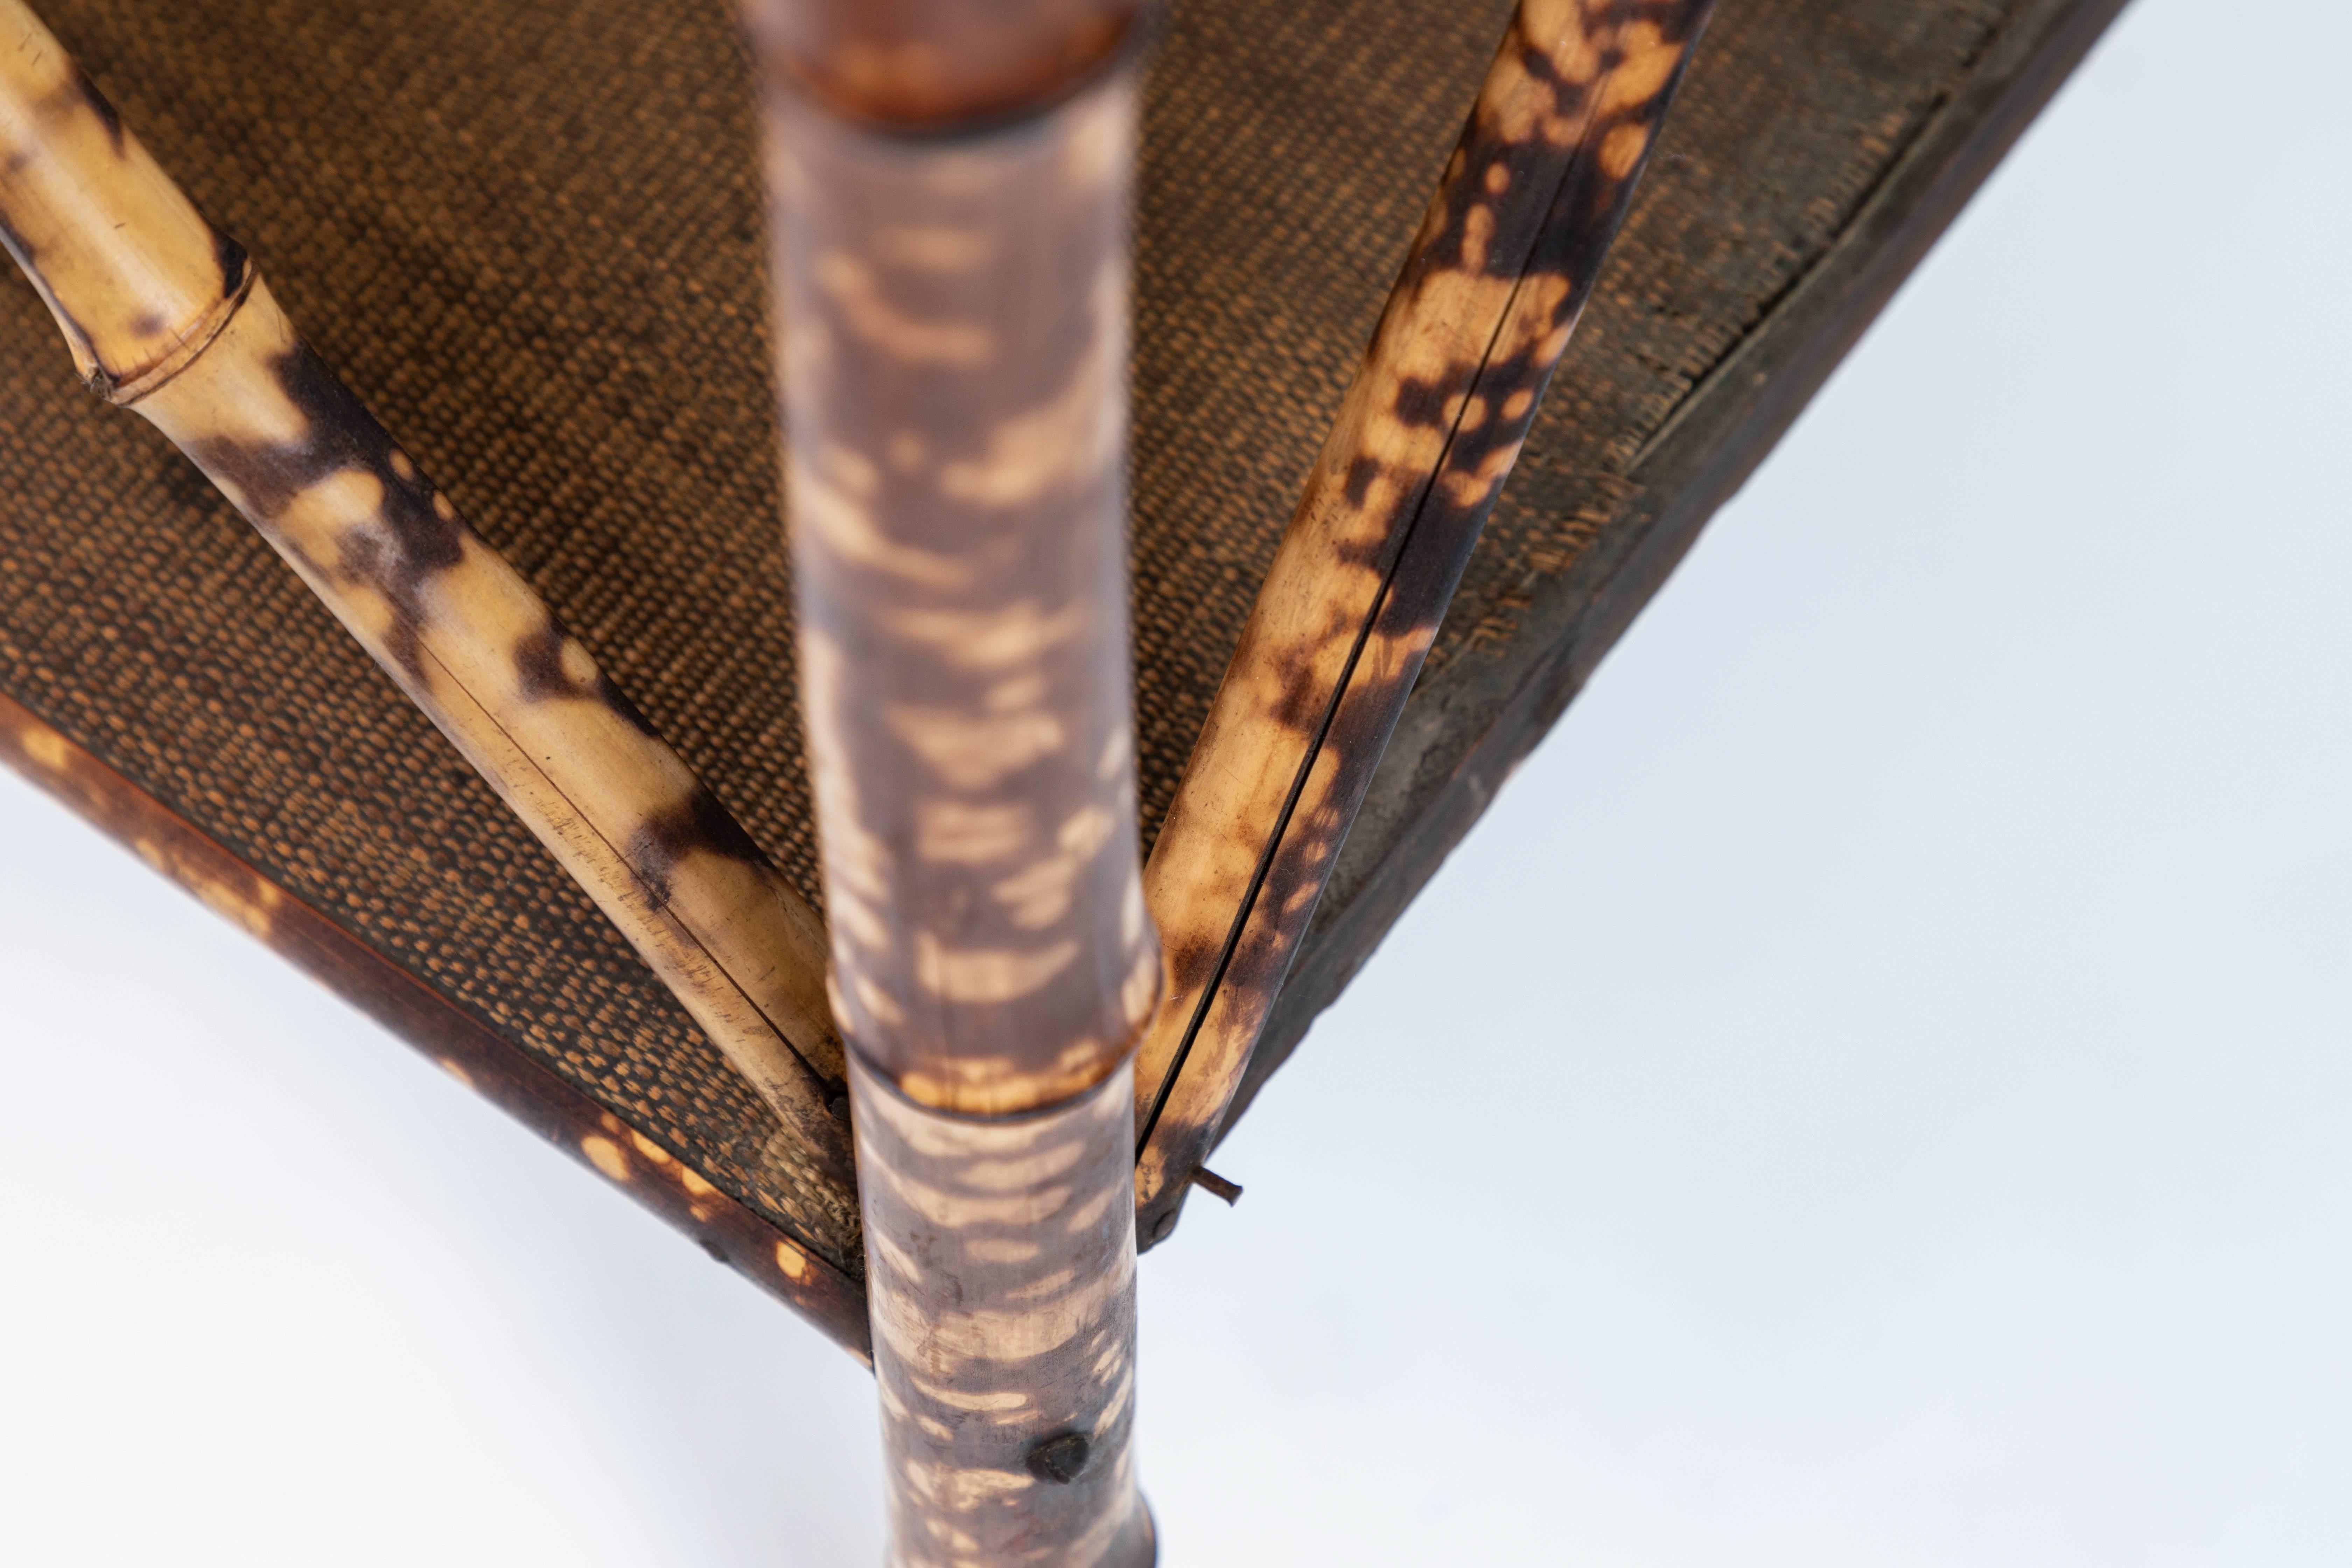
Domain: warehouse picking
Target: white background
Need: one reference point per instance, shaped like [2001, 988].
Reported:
[1876, 1088]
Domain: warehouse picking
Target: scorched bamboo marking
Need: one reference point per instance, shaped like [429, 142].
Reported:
[1429, 430]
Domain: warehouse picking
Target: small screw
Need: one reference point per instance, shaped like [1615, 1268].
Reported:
[1058, 1459]
[1216, 1186]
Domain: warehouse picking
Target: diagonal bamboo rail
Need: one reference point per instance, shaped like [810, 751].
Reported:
[952, 184]
[1478, 322]
[171, 319]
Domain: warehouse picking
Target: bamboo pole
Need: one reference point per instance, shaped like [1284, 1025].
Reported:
[952, 184]
[1431, 426]
[171, 319]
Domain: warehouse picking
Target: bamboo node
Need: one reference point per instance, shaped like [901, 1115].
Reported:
[207, 329]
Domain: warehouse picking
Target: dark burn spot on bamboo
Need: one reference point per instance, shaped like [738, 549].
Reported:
[1301, 705]
[1465, 193]
[699, 822]
[1190, 963]
[233, 262]
[411, 541]
[1375, 554]
[538, 665]
[1466, 188]
[1423, 403]
[541, 676]
[95, 101]
[614, 698]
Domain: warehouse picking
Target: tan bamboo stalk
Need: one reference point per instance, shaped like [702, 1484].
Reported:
[952, 183]
[1429, 430]
[170, 319]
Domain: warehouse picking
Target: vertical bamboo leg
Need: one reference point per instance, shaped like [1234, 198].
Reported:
[951, 188]
[1002, 1284]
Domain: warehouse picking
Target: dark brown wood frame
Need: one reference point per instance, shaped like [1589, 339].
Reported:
[470, 1051]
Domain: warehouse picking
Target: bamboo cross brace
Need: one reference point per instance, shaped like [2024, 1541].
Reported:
[1429, 429]
[171, 319]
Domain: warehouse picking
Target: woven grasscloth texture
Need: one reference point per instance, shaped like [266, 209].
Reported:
[529, 235]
